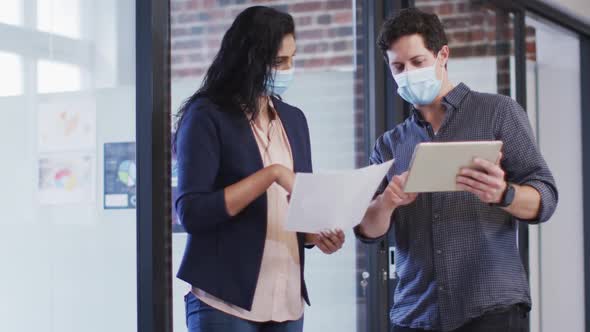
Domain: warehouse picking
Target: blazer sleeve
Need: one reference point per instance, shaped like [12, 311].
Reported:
[308, 152]
[200, 203]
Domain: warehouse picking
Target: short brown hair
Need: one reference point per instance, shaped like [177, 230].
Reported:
[413, 21]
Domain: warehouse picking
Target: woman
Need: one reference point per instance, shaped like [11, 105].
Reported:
[238, 146]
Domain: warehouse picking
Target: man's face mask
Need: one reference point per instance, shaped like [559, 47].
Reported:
[419, 86]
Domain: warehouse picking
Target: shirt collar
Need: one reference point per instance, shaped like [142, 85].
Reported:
[450, 101]
[456, 95]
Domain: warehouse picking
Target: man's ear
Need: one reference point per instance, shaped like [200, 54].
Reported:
[444, 54]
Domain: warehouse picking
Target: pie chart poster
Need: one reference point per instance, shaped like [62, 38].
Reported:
[120, 176]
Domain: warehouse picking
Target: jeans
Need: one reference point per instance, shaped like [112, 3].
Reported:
[201, 317]
[511, 319]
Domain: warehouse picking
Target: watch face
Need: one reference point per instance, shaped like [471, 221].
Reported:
[509, 197]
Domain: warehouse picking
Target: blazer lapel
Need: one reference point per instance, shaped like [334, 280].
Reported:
[290, 123]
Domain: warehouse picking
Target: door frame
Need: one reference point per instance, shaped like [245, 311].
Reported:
[154, 227]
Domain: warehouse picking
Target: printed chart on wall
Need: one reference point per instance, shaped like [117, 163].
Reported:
[66, 179]
[120, 176]
[120, 179]
[176, 226]
[67, 124]
[66, 138]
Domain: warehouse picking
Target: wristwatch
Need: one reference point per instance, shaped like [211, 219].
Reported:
[507, 196]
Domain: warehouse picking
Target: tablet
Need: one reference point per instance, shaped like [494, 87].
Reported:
[435, 166]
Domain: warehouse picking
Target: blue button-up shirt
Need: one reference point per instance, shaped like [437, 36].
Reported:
[457, 257]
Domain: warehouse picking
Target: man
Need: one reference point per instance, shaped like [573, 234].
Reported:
[456, 254]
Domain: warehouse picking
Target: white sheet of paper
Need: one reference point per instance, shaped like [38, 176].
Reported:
[331, 200]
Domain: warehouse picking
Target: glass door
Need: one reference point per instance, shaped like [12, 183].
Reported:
[554, 100]
[329, 88]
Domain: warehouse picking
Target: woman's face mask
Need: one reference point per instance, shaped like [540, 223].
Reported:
[419, 86]
[282, 80]
[283, 67]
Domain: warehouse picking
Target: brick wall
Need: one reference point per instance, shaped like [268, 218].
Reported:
[324, 29]
[359, 89]
[475, 29]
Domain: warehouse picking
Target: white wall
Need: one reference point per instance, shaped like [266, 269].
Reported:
[64, 268]
[468, 71]
[560, 264]
[578, 8]
[68, 267]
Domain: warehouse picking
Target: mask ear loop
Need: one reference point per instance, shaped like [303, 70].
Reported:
[436, 59]
[442, 74]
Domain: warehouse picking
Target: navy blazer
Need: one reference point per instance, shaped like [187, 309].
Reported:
[214, 150]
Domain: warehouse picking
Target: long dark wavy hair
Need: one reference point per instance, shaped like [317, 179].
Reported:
[236, 78]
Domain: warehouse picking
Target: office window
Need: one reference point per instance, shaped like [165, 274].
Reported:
[11, 12]
[53, 76]
[61, 17]
[11, 67]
